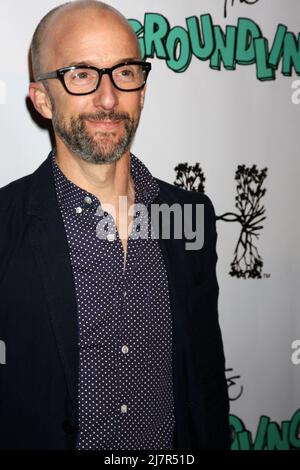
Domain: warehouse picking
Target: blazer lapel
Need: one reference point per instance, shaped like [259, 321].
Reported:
[50, 247]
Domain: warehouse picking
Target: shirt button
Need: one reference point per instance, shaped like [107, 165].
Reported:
[125, 349]
[111, 237]
[78, 210]
[124, 409]
[88, 200]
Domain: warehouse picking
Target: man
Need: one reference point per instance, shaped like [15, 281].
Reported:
[112, 340]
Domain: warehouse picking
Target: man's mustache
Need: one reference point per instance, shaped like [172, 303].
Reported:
[105, 116]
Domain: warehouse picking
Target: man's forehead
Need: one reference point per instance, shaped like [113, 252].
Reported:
[100, 34]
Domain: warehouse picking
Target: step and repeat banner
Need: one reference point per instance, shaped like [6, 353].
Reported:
[221, 116]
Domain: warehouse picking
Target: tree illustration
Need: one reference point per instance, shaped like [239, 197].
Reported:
[190, 177]
[247, 262]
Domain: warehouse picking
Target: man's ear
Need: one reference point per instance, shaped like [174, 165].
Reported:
[40, 100]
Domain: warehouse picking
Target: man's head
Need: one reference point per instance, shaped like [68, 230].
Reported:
[97, 127]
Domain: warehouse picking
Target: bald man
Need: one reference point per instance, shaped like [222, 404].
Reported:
[111, 328]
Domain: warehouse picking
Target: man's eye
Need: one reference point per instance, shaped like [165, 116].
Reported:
[81, 76]
[125, 74]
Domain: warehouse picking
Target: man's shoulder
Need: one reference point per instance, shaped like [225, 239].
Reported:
[172, 194]
[14, 192]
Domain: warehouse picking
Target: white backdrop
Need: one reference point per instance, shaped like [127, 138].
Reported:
[220, 119]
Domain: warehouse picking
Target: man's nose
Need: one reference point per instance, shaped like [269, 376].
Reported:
[106, 97]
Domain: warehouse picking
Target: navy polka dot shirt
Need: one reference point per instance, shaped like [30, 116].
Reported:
[125, 396]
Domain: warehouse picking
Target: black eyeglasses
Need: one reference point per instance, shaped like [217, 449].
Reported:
[83, 80]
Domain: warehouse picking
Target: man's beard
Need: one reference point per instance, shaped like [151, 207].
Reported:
[90, 149]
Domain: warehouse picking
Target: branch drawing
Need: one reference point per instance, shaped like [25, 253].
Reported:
[247, 262]
[190, 177]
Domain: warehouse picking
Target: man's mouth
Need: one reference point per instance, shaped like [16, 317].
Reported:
[105, 125]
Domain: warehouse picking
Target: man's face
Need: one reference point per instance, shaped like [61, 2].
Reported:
[99, 127]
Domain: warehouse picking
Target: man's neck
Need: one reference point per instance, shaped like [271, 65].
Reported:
[105, 181]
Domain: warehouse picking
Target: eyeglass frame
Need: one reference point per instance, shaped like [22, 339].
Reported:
[60, 75]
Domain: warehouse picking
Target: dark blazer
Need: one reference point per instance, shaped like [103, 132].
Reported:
[38, 323]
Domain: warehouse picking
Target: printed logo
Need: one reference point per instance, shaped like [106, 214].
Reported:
[250, 213]
[270, 435]
[235, 390]
[240, 45]
[232, 3]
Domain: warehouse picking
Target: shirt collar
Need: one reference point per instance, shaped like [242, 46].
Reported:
[72, 196]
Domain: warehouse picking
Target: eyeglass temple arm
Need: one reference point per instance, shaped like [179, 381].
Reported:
[45, 76]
